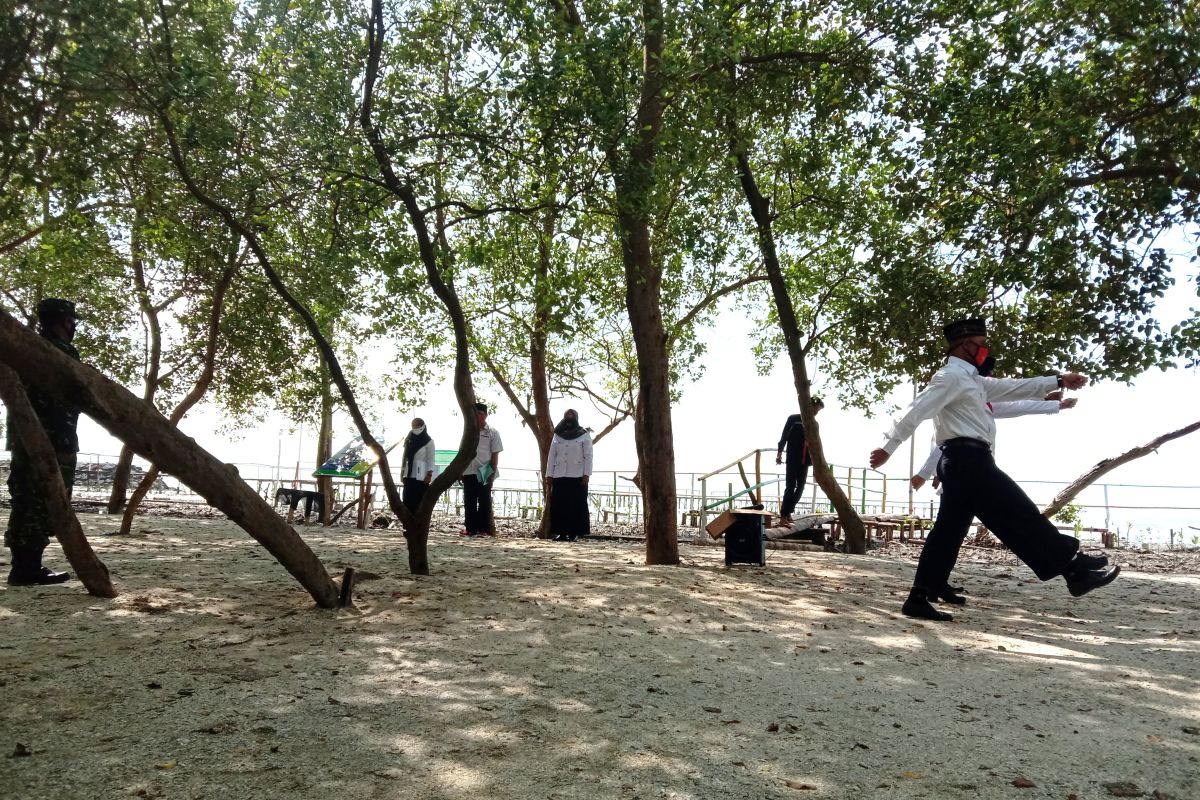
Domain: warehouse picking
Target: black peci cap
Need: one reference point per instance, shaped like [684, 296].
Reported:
[55, 308]
[963, 328]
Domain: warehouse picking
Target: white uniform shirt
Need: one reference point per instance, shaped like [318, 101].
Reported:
[424, 461]
[489, 442]
[957, 399]
[570, 458]
[1013, 408]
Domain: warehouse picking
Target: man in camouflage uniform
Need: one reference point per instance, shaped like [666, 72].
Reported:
[29, 523]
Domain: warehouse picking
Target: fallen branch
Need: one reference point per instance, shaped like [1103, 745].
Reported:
[1109, 464]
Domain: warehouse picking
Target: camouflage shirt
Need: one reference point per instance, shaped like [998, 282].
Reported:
[59, 419]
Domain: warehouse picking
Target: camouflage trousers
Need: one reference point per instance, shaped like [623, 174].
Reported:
[29, 521]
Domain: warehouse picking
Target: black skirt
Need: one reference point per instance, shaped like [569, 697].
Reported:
[569, 508]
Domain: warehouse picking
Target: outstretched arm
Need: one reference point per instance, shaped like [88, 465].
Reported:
[932, 399]
[1019, 408]
[1003, 389]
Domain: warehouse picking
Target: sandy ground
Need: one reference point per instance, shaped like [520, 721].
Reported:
[531, 669]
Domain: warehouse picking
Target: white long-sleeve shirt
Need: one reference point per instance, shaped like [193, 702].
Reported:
[957, 400]
[424, 462]
[1012, 408]
[570, 458]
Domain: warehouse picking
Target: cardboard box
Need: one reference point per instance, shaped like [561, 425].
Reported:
[726, 518]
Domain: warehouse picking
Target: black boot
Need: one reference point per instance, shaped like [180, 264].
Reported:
[21, 571]
[1082, 581]
[27, 570]
[1085, 561]
[918, 605]
[950, 594]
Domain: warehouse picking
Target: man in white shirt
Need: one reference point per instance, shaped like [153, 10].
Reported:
[1007, 410]
[478, 478]
[972, 486]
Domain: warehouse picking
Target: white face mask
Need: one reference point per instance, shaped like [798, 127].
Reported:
[418, 431]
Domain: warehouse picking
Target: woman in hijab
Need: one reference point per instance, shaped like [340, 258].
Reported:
[568, 468]
[419, 465]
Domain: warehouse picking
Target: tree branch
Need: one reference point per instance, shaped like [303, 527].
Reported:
[1109, 464]
[712, 298]
[14, 243]
[793, 56]
[1139, 172]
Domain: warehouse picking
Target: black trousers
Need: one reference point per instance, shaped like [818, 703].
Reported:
[414, 492]
[477, 505]
[793, 486]
[29, 525]
[568, 507]
[973, 486]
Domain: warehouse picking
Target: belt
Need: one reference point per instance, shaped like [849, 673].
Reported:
[963, 441]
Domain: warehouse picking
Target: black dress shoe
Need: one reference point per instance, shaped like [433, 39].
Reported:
[957, 589]
[918, 605]
[949, 594]
[1080, 582]
[1085, 561]
[42, 576]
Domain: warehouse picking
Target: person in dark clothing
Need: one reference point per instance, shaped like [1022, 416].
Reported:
[28, 532]
[798, 461]
[479, 476]
[568, 470]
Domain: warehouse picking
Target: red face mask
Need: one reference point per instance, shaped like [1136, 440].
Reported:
[981, 355]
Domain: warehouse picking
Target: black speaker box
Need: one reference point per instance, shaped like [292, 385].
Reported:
[746, 540]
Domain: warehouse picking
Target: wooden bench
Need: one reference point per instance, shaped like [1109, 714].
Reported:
[691, 518]
[604, 512]
[877, 527]
[1107, 538]
[525, 511]
[912, 528]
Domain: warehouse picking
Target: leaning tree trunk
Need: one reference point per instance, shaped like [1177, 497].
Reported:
[154, 438]
[1109, 464]
[852, 524]
[42, 460]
